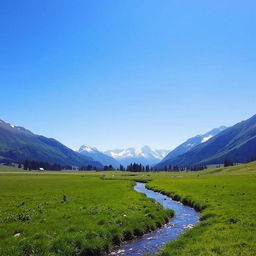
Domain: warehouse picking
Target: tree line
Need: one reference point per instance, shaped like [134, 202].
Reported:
[88, 168]
[36, 165]
[134, 167]
[176, 168]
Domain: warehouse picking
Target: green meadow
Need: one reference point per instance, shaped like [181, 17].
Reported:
[88, 213]
[71, 214]
[228, 219]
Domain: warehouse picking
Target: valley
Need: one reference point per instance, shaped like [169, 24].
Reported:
[85, 213]
[128, 128]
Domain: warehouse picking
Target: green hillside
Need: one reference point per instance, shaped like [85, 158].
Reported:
[237, 143]
[18, 144]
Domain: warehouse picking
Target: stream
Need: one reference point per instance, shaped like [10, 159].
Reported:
[185, 218]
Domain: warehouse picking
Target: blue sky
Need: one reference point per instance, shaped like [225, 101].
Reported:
[115, 74]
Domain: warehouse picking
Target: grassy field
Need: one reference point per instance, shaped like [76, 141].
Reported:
[228, 222]
[88, 213]
[65, 214]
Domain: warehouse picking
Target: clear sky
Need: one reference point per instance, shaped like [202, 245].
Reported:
[115, 74]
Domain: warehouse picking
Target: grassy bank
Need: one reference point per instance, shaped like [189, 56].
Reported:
[227, 199]
[65, 214]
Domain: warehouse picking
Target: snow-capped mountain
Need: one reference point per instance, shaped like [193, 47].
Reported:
[236, 143]
[95, 154]
[144, 155]
[191, 143]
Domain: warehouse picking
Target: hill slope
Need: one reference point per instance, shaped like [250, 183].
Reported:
[193, 142]
[18, 144]
[237, 143]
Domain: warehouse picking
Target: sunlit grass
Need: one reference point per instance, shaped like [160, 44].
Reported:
[56, 214]
[228, 223]
[87, 213]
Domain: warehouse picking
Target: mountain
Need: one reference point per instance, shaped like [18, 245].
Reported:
[18, 144]
[144, 155]
[98, 156]
[237, 143]
[192, 142]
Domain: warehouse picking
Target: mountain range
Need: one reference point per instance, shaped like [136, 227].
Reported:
[237, 143]
[94, 153]
[144, 155]
[192, 142]
[18, 144]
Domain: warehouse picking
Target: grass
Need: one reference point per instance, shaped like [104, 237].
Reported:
[66, 214]
[227, 198]
[4, 168]
[89, 213]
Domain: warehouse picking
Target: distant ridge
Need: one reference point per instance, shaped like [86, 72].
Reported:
[191, 143]
[237, 143]
[144, 155]
[18, 144]
[94, 153]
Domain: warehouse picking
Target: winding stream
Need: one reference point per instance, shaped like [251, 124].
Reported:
[185, 218]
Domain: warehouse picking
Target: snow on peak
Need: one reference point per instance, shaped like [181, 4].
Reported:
[87, 148]
[145, 152]
[204, 139]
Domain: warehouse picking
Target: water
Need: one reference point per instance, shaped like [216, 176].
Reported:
[185, 218]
